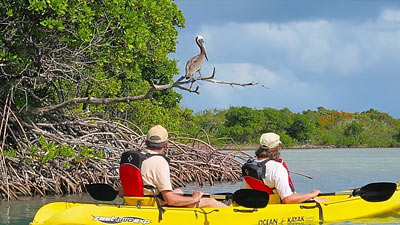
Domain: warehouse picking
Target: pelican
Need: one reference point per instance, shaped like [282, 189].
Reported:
[194, 64]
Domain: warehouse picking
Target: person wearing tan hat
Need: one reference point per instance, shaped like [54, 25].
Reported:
[155, 172]
[270, 174]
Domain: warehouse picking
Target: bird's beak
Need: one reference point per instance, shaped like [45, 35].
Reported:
[204, 48]
[205, 53]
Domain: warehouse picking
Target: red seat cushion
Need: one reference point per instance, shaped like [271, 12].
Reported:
[131, 180]
[258, 184]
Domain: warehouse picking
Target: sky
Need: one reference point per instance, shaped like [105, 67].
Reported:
[342, 55]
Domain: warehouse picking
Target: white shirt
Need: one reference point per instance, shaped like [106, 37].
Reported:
[155, 172]
[276, 176]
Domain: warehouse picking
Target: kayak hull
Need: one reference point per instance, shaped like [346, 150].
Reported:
[337, 208]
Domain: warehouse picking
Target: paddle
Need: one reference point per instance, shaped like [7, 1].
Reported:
[105, 192]
[101, 192]
[373, 192]
[251, 198]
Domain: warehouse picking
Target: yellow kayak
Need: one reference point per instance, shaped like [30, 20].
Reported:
[339, 207]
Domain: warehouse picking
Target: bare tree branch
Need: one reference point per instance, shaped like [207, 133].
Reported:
[212, 80]
[231, 83]
[104, 101]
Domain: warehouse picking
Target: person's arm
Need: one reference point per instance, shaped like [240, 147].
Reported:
[121, 192]
[176, 199]
[245, 185]
[298, 198]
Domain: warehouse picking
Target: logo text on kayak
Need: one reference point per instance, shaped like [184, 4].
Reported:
[294, 220]
[268, 222]
[116, 220]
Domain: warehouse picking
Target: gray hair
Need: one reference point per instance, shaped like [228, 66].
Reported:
[155, 146]
[270, 153]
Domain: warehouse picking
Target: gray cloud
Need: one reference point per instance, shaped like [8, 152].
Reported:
[305, 63]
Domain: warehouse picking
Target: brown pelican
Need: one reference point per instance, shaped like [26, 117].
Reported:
[194, 64]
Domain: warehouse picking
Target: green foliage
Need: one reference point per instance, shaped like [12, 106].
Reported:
[86, 152]
[322, 128]
[301, 129]
[354, 129]
[56, 50]
[276, 120]
[10, 152]
[327, 139]
[352, 134]
[147, 113]
[242, 123]
[63, 49]
[287, 140]
[47, 151]
[211, 121]
[397, 135]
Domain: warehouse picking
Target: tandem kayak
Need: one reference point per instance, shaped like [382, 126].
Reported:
[373, 200]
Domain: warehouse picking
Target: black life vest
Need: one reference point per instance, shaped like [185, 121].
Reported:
[130, 174]
[254, 172]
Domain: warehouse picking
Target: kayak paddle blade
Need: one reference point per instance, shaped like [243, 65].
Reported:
[101, 192]
[376, 192]
[251, 198]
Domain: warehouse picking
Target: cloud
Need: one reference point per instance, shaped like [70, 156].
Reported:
[318, 47]
[391, 15]
[337, 63]
[281, 88]
[245, 72]
[238, 73]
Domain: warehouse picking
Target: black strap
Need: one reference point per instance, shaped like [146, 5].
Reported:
[262, 163]
[137, 157]
[161, 210]
[317, 205]
[148, 155]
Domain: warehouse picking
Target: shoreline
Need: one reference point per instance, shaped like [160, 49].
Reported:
[302, 147]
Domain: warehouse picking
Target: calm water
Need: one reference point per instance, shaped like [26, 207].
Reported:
[332, 170]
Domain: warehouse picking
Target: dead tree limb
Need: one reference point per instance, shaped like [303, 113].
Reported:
[180, 83]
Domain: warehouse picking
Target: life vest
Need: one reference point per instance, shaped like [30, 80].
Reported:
[130, 172]
[254, 172]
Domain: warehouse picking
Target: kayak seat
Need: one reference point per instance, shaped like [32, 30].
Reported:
[130, 175]
[257, 184]
[131, 180]
[140, 201]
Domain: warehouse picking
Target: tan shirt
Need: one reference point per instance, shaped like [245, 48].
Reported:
[155, 172]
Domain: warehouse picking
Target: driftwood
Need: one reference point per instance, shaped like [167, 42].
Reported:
[24, 175]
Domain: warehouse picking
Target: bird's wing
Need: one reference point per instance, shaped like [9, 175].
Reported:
[190, 67]
[194, 64]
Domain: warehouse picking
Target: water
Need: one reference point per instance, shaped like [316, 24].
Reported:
[332, 170]
[21, 212]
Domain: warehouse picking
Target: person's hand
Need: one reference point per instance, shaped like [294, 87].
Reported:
[197, 195]
[316, 192]
[320, 200]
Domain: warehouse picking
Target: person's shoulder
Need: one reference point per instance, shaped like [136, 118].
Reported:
[159, 159]
[274, 165]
